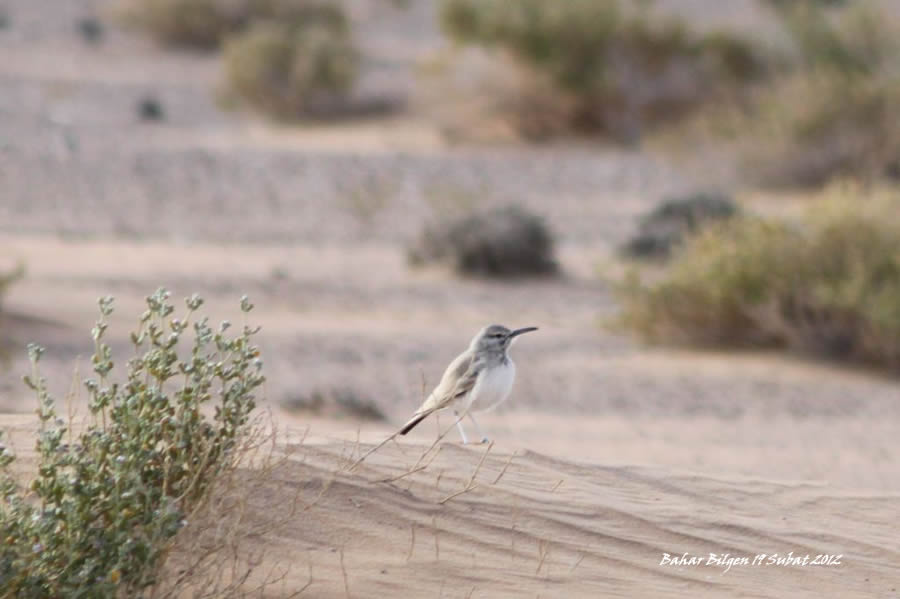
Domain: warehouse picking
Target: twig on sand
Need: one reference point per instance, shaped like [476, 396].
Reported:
[322, 491]
[543, 550]
[354, 465]
[437, 545]
[344, 573]
[309, 582]
[395, 435]
[471, 484]
[505, 466]
[391, 479]
[577, 562]
[412, 541]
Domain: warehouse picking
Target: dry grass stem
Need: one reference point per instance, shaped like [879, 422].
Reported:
[437, 545]
[543, 550]
[412, 541]
[471, 484]
[344, 574]
[505, 466]
[577, 562]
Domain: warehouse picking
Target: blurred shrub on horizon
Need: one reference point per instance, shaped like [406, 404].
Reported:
[504, 242]
[821, 105]
[290, 70]
[830, 286]
[206, 23]
[835, 113]
[615, 68]
[285, 58]
[662, 229]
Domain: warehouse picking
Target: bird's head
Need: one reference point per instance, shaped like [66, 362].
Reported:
[497, 337]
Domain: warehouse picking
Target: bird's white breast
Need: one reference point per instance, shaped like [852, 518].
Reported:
[492, 387]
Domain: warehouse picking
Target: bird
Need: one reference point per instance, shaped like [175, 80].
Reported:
[479, 379]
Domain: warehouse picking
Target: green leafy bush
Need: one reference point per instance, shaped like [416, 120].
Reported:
[831, 286]
[107, 501]
[615, 68]
[288, 70]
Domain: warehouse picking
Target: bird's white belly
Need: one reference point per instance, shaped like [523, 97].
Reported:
[492, 388]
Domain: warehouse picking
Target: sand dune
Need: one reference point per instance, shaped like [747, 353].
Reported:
[480, 521]
[535, 526]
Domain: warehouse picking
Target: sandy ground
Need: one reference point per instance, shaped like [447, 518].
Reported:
[616, 453]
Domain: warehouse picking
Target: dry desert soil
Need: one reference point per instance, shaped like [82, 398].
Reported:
[609, 455]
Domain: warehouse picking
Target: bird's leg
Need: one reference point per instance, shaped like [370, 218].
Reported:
[459, 426]
[484, 438]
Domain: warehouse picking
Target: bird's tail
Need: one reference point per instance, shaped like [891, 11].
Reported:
[413, 422]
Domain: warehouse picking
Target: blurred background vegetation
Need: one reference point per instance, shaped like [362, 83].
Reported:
[813, 103]
[816, 102]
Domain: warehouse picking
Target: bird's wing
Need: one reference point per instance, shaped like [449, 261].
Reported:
[458, 379]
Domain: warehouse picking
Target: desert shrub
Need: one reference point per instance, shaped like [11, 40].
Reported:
[192, 23]
[613, 69]
[834, 113]
[814, 129]
[792, 4]
[338, 402]
[288, 70]
[206, 23]
[91, 29]
[505, 242]
[675, 218]
[830, 285]
[107, 501]
[150, 109]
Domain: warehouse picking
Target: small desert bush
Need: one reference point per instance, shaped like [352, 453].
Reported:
[833, 113]
[100, 517]
[601, 66]
[337, 402]
[191, 23]
[661, 230]
[830, 285]
[289, 70]
[207, 23]
[506, 242]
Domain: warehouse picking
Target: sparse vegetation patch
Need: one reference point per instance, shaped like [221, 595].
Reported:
[614, 68]
[505, 242]
[338, 402]
[291, 70]
[834, 113]
[673, 219]
[830, 286]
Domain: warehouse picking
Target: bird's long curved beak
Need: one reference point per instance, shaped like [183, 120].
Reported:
[518, 332]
